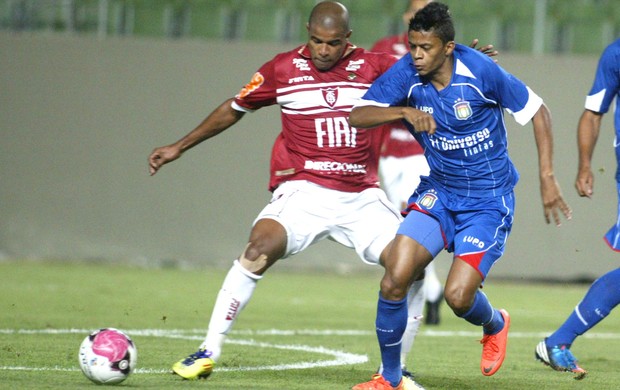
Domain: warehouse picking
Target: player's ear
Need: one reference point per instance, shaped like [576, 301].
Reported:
[348, 36]
[449, 48]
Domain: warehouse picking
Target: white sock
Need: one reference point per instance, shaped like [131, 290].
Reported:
[432, 285]
[415, 308]
[234, 294]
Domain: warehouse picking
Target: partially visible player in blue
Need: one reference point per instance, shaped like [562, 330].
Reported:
[452, 99]
[604, 294]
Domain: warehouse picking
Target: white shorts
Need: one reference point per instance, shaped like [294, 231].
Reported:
[400, 176]
[365, 221]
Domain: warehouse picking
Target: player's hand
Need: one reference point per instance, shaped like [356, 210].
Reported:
[420, 120]
[553, 200]
[488, 50]
[162, 155]
[585, 183]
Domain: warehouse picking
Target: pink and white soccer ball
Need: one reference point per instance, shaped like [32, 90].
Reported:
[107, 356]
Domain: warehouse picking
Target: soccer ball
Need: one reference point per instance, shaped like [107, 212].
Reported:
[107, 356]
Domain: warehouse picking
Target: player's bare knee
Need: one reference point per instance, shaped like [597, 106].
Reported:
[458, 300]
[253, 259]
[392, 290]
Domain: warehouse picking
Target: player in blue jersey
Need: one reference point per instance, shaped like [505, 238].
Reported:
[452, 99]
[604, 294]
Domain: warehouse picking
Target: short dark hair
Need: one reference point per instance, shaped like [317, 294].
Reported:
[436, 18]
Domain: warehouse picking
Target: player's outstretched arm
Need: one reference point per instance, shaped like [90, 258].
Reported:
[587, 135]
[219, 120]
[553, 201]
[365, 117]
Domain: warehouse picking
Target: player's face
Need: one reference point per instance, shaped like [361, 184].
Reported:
[326, 46]
[428, 52]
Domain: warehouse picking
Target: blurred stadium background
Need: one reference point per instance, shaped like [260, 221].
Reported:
[536, 26]
[89, 87]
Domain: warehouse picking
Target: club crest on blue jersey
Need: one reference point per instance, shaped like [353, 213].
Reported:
[427, 200]
[462, 110]
[330, 95]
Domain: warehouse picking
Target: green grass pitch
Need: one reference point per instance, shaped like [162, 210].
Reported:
[301, 330]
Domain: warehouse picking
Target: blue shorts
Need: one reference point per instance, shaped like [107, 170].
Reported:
[613, 235]
[475, 229]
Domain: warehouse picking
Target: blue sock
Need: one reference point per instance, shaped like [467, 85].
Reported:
[391, 323]
[483, 314]
[602, 296]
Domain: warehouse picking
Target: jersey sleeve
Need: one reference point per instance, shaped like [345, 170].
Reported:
[390, 89]
[516, 97]
[260, 91]
[606, 82]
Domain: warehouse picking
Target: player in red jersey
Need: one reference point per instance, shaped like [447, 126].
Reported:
[323, 172]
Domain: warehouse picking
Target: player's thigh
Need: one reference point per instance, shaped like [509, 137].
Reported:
[481, 234]
[404, 263]
[367, 222]
[429, 221]
[299, 207]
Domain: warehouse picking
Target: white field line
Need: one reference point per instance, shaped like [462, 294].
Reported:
[198, 334]
[338, 358]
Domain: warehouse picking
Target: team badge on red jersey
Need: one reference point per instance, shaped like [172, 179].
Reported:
[330, 95]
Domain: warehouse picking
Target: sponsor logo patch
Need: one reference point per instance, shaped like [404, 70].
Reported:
[301, 64]
[233, 309]
[335, 166]
[300, 79]
[354, 65]
[254, 84]
[474, 241]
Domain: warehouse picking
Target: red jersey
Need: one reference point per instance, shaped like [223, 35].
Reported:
[396, 45]
[316, 142]
[398, 140]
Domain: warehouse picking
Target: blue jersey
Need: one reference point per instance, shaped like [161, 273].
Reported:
[606, 87]
[468, 154]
